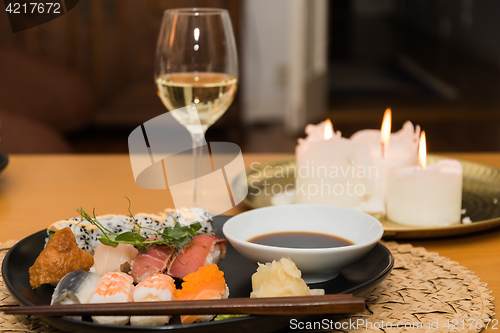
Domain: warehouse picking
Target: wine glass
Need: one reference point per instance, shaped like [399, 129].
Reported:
[196, 72]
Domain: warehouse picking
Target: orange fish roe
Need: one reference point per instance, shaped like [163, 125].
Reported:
[208, 277]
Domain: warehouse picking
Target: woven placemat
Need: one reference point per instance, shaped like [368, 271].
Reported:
[423, 293]
[10, 323]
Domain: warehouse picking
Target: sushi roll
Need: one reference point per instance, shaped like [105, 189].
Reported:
[155, 259]
[157, 287]
[113, 259]
[117, 223]
[186, 216]
[113, 287]
[204, 217]
[75, 288]
[150, 223]
[87, 235]
[206, 283]
[204, 249]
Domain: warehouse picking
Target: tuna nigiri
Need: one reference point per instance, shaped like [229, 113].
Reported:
[157, 287]
[206, 283]
[202, 250]
[155, 259]
[113, 259]
[113, 287]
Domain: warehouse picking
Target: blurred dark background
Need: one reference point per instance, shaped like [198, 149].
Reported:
[81, 83]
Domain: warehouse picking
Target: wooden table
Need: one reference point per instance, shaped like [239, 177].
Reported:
[37, 190]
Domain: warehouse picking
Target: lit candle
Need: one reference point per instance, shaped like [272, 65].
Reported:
[385, 131]
[328, 168]
[386, 152]
[426, 195]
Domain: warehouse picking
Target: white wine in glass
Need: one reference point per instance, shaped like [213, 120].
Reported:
[210, 93]
[196, 72]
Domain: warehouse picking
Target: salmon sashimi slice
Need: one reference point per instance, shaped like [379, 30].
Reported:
[202, 250]
[206, 283]
[113, 287]
[155, 259]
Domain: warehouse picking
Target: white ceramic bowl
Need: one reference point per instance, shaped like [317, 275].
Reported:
[316, 264]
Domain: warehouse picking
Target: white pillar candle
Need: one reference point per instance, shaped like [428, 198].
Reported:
[426, 196]
[329, 168]
[399, 151]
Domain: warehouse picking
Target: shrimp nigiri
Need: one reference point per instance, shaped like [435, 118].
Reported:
[206, 283]
[113, 287]
[157, 287]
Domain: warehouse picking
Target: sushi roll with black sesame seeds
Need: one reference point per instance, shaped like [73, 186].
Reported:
[186, 216]
[81, 230]
[87, 235]
[150, 223]
[116, 223]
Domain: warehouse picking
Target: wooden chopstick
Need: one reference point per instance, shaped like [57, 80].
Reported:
[326, 304]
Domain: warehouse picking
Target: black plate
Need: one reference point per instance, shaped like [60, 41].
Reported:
[359, 278]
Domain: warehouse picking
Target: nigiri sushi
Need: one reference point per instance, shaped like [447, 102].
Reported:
[113, 259]
[202, 250]
[206, 283]
[75, 288]
[157, 287]
[113, 287]
[155, 259]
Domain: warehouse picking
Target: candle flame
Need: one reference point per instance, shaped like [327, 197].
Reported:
[422, 151]
[385, 131]
[328, 129]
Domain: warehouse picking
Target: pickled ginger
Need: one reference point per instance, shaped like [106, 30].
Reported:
[280, 278]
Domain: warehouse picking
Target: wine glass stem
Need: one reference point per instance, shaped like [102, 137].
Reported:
[198, 144]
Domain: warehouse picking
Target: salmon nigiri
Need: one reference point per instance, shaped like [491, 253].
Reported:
[157, 287]
[206, 283]
[113, 287]
[204, 249]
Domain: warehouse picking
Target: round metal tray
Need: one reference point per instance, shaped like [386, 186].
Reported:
[480, 197]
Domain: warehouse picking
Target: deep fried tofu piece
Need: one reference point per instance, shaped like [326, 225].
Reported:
[60, 256]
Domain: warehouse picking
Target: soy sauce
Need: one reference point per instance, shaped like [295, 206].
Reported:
[300, 240]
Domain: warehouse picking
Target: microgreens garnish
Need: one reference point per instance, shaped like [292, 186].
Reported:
[176, 236]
